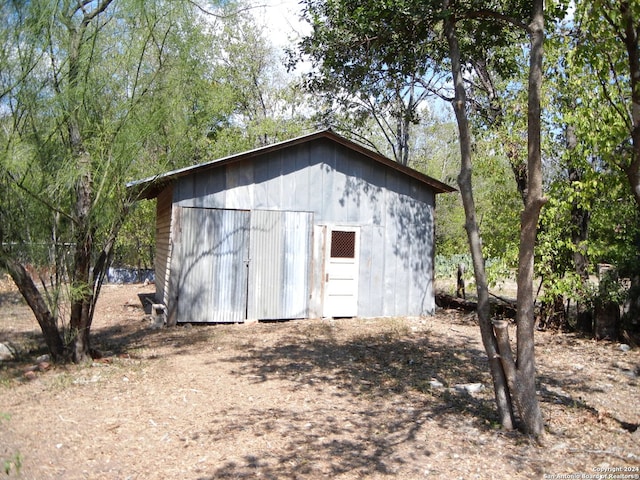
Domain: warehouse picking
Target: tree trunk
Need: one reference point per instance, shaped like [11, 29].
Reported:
[525, 393]
[460, 293]
[501, 390]
[632, 170]
[631, 309]
[606, 320]
[32, 296]
[579, 235]
[82, 293]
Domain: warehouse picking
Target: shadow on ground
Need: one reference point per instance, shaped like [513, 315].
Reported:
[387, 376]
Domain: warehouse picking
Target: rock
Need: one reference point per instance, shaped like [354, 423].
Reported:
[435, 383]
[43, 358]
[624, 347]
[29, 375]
[469, 387]
[43, 366]
[6, 352]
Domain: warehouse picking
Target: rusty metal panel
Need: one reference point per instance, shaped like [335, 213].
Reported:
[280, 259]
[210, 262]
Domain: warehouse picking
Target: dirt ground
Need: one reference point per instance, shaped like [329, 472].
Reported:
[346, 399]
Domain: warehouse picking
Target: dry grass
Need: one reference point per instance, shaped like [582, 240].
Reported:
[304, 399]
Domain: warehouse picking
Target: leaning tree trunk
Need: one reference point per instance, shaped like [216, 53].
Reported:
[501, 390]
[34, 299]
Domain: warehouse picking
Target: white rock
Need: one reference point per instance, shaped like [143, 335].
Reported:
[469, 387]
[624, 347]
[435, 383]
[6, 352]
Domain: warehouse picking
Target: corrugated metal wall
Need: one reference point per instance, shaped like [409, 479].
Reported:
[209, 265]
[230, 265]
[394, 212]
[279, 264]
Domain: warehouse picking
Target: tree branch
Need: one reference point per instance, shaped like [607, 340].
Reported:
[87, 17]
[223, 16]
[47, 204]
[485, 14]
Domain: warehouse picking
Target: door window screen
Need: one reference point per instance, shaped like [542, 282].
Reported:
[343, 244]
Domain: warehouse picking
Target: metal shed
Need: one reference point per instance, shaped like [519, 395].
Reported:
[317, 226]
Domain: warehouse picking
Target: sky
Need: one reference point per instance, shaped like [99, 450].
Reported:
[282, 19]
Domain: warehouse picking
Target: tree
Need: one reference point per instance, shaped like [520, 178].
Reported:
[593, 114]
[267, 104]
[376, 90]
[608, 42]
[401, 37]
[82, 83]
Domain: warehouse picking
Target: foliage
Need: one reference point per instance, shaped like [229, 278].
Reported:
[587, 188]
[446, 267]
[265, 104]
[135, 246]
[92, 95]
[607, 47]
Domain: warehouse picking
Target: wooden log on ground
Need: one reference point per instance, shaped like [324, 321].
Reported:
[499, 306]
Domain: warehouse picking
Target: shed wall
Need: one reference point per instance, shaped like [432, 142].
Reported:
[340, 187]
[163, 242]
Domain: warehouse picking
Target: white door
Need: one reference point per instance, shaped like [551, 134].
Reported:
[341, 272]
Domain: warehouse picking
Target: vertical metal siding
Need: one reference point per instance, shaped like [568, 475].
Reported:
[210, 259]
[279, 265]
[229, 266]
[264, 267]
[296, 261]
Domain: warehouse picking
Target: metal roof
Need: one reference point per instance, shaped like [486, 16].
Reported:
[150, 187]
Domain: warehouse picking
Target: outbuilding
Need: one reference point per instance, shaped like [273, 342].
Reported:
[317, 226]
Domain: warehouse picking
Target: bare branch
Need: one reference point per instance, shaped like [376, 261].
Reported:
[223, 16]
[102, 6]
